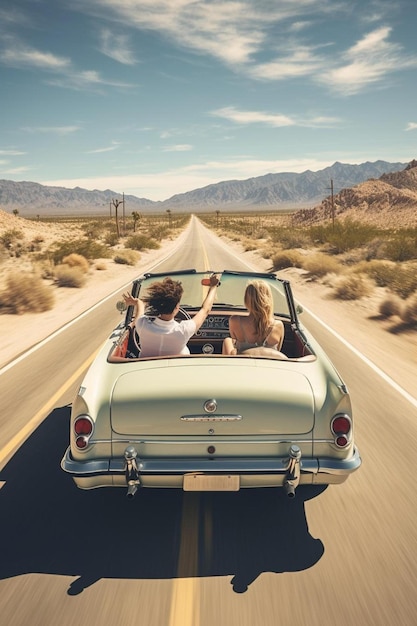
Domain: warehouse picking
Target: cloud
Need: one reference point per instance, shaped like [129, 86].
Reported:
[411, 126]
[117, 47]
[233, 31]
[301, 61]
[272, 119]
[55, 130]
[17, 54]
[184, 147]
[115, 145]
[368, 61]
[11, 153]
[17, 170]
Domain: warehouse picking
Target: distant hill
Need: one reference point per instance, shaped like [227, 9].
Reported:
[32, 198]
[389, 201]
[272, 191]
[281, 190]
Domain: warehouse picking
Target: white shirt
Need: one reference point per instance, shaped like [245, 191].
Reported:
[163, 338]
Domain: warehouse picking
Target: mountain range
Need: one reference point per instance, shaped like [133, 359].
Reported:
[271, 191]
[390, 201]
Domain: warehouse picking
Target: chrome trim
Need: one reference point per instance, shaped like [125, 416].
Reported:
[202, 440]
[236, 465]
[211, 418]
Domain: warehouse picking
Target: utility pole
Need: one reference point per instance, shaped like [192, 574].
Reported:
[332, 199]
[124, 215]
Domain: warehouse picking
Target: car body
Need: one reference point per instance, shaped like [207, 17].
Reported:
[207, 421]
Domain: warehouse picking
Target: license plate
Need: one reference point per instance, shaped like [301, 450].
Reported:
[204, 482]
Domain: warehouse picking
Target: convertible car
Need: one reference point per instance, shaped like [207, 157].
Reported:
[207, 421]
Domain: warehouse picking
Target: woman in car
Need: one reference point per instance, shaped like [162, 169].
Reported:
[258, 328]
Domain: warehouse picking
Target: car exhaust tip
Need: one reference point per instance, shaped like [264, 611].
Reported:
[131, 491]
[289, 490]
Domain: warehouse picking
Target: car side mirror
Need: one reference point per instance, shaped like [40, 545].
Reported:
[299, 309]
[121, 306]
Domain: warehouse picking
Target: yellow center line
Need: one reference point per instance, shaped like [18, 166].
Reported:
[28, 429]
[185, 599]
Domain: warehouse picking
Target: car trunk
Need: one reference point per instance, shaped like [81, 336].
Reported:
[250, 400]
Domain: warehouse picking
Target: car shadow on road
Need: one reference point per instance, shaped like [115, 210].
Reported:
[49, 526]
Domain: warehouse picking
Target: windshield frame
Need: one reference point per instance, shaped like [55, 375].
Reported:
[230, 292]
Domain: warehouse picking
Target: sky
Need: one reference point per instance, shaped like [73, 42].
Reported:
[159, 97]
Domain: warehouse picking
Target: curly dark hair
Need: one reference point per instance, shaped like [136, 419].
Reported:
[162, 297]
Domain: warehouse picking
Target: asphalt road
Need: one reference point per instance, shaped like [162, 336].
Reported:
[345, 555]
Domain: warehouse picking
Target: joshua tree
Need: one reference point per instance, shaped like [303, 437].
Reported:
[169, 217]
[136, 218]
[15, 212]
[116, 204]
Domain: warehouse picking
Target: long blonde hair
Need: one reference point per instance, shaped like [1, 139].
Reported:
[259, 302]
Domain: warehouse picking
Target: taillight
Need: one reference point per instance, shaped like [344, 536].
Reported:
[83, 428]
[341, 428]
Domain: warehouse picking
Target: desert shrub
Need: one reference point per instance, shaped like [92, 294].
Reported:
[343, 235]
[409, 313]
[404, 280]
[45, 269]
[159, 232]
[111, 239]
[402, 247]
[8, 237]
[382, 272]
[86, 247]
[100, 266]
[25, 293]
[249, 245]
[320, 264]
[401, 279]
[286, 258]
[141, 242]
[126, 257]
[289, 238]
[389, 307]
[66, 276]
[77, 260]
[94, 229]
[352, 287]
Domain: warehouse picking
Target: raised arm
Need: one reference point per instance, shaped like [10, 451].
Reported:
[137, 303]
[208, 302]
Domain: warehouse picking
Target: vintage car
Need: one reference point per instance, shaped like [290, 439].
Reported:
[207, 421]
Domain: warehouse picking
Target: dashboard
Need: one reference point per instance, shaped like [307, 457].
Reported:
[215, 327]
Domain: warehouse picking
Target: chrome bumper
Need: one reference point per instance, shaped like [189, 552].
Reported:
[236, 465]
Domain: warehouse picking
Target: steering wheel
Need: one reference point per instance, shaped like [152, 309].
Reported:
[184, 314]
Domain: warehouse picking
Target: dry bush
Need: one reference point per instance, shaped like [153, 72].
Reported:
[352, 287]
[77, 260]
[100, 266]
[319, 264]
[286, 258]
[9, 237]
[46, 269]
[382, 272]
[126, 257]
[249, 245]
[409, 313]
[143, 242]
[390, 306]
[25, 293]
[66, 276]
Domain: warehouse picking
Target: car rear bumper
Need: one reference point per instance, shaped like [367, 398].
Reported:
[253, 472]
